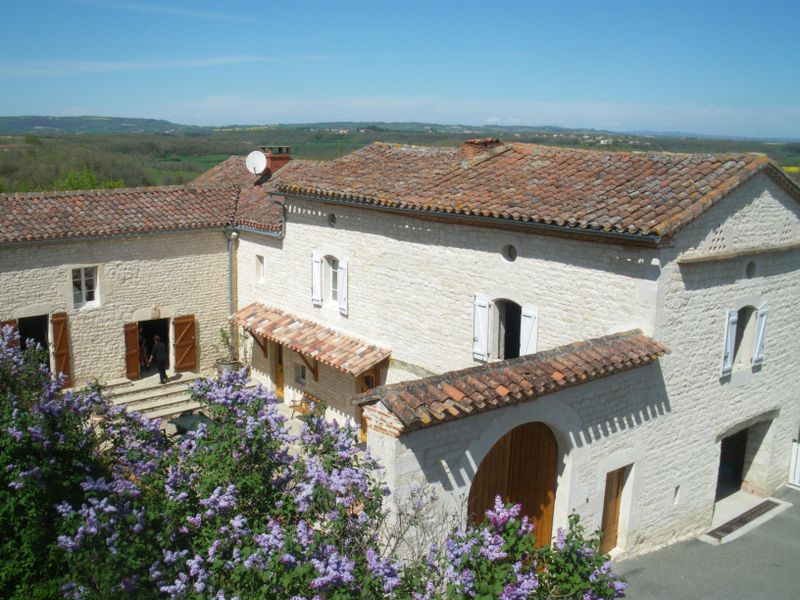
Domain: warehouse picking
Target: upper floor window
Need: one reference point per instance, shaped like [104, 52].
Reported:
[259, 268]
[745, 333]
[503, 329]
[333, 277]
[84, 286]
[329, 281]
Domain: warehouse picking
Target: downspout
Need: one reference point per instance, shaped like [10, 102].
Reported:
[232, 236]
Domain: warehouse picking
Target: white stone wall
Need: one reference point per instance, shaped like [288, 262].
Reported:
[142, 277]
[599, 427]
[707, 407]
[666, 421]
[411, 282]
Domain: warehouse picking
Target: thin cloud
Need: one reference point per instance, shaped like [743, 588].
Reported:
[157, 9]
[13, 69]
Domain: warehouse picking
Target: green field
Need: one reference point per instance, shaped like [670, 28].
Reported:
[32, 162]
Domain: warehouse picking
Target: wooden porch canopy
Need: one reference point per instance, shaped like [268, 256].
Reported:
[309, 339]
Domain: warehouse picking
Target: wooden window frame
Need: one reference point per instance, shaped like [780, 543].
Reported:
[79, 296]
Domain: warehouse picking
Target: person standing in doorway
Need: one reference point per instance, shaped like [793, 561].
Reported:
[142, 350]
[159, 354]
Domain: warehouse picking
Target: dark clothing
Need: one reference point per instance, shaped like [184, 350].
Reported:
[159, 351]
[159, 354]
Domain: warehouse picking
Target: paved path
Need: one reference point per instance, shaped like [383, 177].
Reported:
[763, 564]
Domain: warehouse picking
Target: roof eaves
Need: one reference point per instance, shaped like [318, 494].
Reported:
[317, 195]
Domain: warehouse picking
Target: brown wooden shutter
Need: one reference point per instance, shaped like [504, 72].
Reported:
[13, 323]
[61, 346]
[185, 351]
[131, 350]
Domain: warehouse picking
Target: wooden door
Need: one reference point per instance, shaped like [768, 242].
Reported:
[61, 353]
[611, 504]
[13, 322]
[131, 331]
[521, 468]
[185, 349]
[279, 371]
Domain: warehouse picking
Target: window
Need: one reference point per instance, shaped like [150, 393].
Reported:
[300, 374]
[259, 268]
[745, 333]
[329, 281]
[745, 336]
[84, 286]
[333, 277]
[503, 329]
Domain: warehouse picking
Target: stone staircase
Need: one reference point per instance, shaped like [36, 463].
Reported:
[155, 400]
[171, 399]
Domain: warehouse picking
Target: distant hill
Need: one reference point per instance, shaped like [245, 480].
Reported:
[36, 125]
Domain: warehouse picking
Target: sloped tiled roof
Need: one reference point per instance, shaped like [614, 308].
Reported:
[649, 195]
[346, 353]
[256, 207]
[458, 394]
[94, 213]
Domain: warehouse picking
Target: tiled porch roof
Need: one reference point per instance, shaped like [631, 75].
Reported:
[338, 350]
[458, 394]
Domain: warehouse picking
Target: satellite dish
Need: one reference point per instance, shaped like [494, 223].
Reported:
[256, 162]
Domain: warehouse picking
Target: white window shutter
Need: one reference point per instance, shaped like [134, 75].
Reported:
[730, 340]
[761, 330]
[342, 282]
[528, 329]
[480, 327]
[316, 279]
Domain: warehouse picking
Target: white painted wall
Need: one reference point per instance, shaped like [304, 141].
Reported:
[143, 277]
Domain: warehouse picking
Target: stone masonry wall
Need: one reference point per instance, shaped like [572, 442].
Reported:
[411, 282]
[599, 427]
[691, 317]
[663, 422]
[143, 277]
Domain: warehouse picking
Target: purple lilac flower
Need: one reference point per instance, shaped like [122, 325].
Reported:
[333, 570]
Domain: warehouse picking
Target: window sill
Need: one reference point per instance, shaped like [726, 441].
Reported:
[86, 307]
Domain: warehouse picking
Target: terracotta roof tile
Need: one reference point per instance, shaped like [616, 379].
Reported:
[457, 394]
[643, 194]
[338, 350]
[256, 208]
[97, 213]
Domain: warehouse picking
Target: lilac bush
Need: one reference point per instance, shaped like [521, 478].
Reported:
[239, 508]
[47, 449]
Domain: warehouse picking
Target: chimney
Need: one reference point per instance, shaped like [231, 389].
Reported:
[474, 147]
[277, 156]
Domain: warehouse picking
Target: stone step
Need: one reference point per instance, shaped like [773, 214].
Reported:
[155, 401]
[165, 413]
[144, 390]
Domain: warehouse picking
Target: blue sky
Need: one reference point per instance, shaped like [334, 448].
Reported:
[728, 68]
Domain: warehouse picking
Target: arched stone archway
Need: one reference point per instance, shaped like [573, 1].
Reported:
[522, 468]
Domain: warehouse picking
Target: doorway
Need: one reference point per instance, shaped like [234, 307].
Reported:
[36, 329]
[520, 468]
[612, 501]
[508, 329]
[150, 329]
[731, 464]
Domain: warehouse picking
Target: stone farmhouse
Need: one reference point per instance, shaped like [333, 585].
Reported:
[609, 334]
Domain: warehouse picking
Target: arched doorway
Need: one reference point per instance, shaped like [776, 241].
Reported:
[521, 468]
